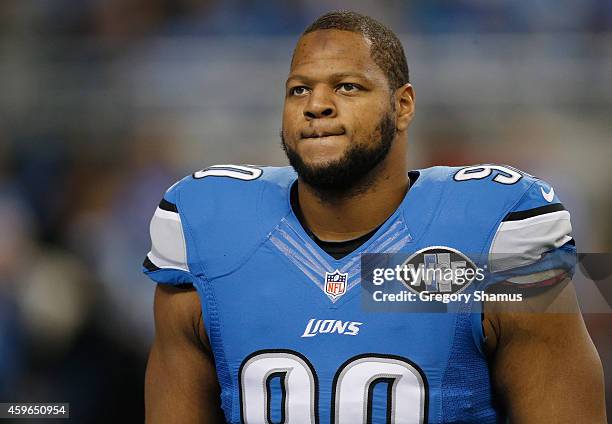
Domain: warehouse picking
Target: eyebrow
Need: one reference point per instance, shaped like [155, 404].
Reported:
[336, 76]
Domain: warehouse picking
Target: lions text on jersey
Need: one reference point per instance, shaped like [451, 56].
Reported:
[291, 340]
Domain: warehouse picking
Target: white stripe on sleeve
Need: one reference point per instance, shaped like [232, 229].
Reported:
[520, 243]
[168, 248]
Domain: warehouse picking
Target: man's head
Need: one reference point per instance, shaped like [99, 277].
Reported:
[348, 101]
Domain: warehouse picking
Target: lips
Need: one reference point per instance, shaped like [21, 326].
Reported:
[321, 133]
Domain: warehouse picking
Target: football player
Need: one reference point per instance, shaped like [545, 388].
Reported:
[258, 307]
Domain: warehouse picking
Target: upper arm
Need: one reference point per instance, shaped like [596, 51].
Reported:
[181, 384]
[545, 367]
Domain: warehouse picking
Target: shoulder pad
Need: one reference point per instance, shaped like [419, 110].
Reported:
[228, 210]
[523, 215]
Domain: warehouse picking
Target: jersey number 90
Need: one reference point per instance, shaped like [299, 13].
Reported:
[503, 174]
[237, 172]
[352, 389]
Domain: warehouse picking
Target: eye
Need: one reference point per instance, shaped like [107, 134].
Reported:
[300, 90]
[348, 87]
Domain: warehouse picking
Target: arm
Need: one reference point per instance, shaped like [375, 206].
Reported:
[181, 383]
[544, 365]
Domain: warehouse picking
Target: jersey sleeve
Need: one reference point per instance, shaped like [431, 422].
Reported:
[532, 245]
[167, 261]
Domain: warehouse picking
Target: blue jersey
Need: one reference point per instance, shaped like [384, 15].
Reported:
[291, 337]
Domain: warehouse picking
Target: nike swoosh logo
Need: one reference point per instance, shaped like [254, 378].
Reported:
[548, 196]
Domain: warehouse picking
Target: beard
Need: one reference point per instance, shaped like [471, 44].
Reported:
[353, 172]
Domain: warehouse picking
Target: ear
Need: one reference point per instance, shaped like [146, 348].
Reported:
[404, 106]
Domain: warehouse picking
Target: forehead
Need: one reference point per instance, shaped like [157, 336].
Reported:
[333, 51]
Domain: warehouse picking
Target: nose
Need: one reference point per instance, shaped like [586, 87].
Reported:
[320, 105]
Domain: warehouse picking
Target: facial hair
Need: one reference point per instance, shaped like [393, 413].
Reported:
[353, 172]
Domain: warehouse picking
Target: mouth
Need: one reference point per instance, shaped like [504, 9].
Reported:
[313, 134]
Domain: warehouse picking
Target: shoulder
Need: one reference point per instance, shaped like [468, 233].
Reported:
[490, 180]
[229, 191]
[221, 213]
[530, 242]
[490, 189]
[520, 215]
[219, 184]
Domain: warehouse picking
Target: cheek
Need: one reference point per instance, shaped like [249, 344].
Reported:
[367, 125]
[362, 119]
[364, 128]
[290, 121]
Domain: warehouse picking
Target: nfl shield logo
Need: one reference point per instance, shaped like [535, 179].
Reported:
[335, 284]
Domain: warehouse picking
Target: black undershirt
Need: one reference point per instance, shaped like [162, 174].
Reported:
[335, 249]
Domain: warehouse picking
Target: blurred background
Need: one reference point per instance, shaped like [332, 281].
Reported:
[105, 103]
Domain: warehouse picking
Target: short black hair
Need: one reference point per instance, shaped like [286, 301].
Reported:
[386, 49]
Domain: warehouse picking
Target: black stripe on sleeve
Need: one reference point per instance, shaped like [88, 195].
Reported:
[167, 206]
[517, 216]
[150, 266]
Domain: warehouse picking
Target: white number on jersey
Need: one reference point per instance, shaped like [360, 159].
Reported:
[504, 175]
[239, 172]
[352, 389]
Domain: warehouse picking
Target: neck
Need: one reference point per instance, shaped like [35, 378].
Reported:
[360, 211]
